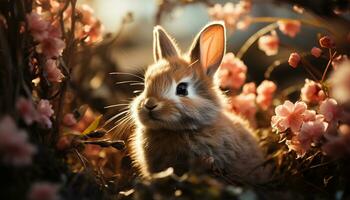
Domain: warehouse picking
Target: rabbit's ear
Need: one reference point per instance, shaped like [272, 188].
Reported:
[209, 47]
[163, 45]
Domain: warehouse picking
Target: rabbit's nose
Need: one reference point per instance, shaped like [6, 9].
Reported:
[150, 103]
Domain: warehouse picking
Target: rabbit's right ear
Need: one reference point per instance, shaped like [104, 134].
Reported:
[163, 45]
[209, 47]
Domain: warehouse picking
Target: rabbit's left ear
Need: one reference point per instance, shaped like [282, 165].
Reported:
[163, 45]
[209, 47]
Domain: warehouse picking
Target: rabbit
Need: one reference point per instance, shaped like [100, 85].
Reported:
[180, 117]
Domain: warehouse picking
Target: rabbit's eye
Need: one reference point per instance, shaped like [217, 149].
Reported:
[181, 89]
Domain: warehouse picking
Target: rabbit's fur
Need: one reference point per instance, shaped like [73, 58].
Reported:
[191, 131]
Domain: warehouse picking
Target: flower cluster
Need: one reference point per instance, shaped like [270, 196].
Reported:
[41, 114]
[305, 126]
[232, 76]
[326, 129]
[234, 15]
[15, 148]
[269, 43]
[88, 28]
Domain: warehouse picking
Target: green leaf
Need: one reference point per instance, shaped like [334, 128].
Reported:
[93, 126]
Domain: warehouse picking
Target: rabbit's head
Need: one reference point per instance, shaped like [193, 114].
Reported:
[180, 93]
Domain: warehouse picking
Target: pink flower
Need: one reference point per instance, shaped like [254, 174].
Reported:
[330, 109]
[288, 115]
[232, 72]
[289, 27]
[294, 59]
[51, 47]
[87, 14]
[26, 110]
[327, 42]
[314, 129]
[69, 120]
[310, 132]
[299, 145]
[341, 83]
[243, 7]
[315, 51]
[53, 73]
[37, 26]
[95, 33]
[244, 23]
[244, 105]
[309, 115]
[231, 13]
[265, 93]
[215, 12]
[44, 191]
[312, 92]
[45, 111]
[249, 88]
[14, 146]
[54, 31]
[269, 43]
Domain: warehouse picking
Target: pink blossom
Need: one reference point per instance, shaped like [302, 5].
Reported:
[315, 51]
[269, 43]
[14, 146]
[289, 27]
[341, 83]
[54, 31]
[37, 26]
[244, 105]
[310, 133]
[312, 92]
[87, 14]
[53, 73]
[44, 191]
[314, 129]
[249, 88]
[330, 109]
[95, 33]
[244, 23]
[69, 120]
[309, 115]
[232, 72]
[51, 47]
[299, 145]
[215, 12]
[231, 13]
[294, 60]
[327, 42]
[288, 115]
[26, 109]
[265, 93]
[45, 111]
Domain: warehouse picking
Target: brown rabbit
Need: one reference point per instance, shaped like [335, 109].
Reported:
[180, 117]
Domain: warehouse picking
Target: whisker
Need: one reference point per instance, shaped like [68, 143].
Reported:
[126, 73]
[116, 105]
[114, 117]
[136, 91]
[124, 82]
[118, 124]
[137, 83]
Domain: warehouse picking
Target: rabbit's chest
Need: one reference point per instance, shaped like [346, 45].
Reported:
[167, 151]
